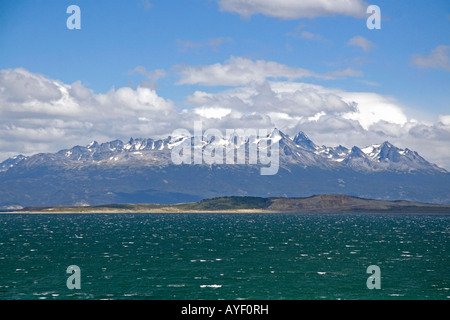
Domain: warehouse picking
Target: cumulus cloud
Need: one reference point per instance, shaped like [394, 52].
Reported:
[38, 114]
[444, 121]
[373, 108]
[19, 86]
[275, 99]
[439, 58]
[64, 115]
[241, 71]
[294, 9]
[294, 101]
[329, 116]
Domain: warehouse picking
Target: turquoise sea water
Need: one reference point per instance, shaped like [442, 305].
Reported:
[224, 256]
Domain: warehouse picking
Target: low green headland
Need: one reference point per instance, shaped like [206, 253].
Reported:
[313, 204]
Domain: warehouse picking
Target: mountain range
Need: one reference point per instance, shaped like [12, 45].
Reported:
[142, 171]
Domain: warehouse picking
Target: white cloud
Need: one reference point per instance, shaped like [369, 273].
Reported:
[127, 99]
[288, 103]
[362, 43]
[295, 9]
[439, 58]
[444, 121]
[19, 86]
[238, 71]
[65, 115]
[241, 71]
[294, 99]
[328, 116]
[212, 112]
[38, 114]
[373, 108]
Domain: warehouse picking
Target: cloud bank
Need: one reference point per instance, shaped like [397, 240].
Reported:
[295, 9]
[241, 71]
[40, 114]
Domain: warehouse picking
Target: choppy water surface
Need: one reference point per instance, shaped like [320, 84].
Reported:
[224, 256]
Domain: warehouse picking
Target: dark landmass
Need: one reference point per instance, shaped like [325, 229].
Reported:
[313, 204]
[142, 171]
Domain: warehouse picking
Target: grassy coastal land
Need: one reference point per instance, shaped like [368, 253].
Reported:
[313, 204]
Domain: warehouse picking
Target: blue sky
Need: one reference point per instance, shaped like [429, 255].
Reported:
[117, 36]
[170, 47]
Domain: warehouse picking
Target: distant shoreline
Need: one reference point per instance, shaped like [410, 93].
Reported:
[137, 211]
[168, 210]
[224, 212]
[317, 204]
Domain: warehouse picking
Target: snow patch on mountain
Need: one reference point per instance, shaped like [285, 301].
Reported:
[297, 151]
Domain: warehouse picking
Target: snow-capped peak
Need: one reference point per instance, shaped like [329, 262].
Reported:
[11, 162]
[302, 140]
[275, 135]
[300, 151]
[93, 144]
